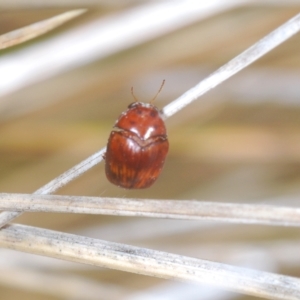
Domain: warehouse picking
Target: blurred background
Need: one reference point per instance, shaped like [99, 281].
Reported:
[238, 143]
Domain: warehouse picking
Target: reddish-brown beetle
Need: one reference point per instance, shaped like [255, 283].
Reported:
[137, 148]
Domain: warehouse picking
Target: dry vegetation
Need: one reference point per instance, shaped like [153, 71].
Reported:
[238, 144]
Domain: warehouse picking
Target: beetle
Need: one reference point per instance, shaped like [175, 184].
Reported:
[137, 146]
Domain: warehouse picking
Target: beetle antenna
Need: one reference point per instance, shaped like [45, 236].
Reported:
[162, 84]
[134, 97]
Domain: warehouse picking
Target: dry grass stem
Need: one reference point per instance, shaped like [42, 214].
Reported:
[174, 209]
[148, 262]
[34, 30]
[265, 45]
[59, 182]
[100, 38]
